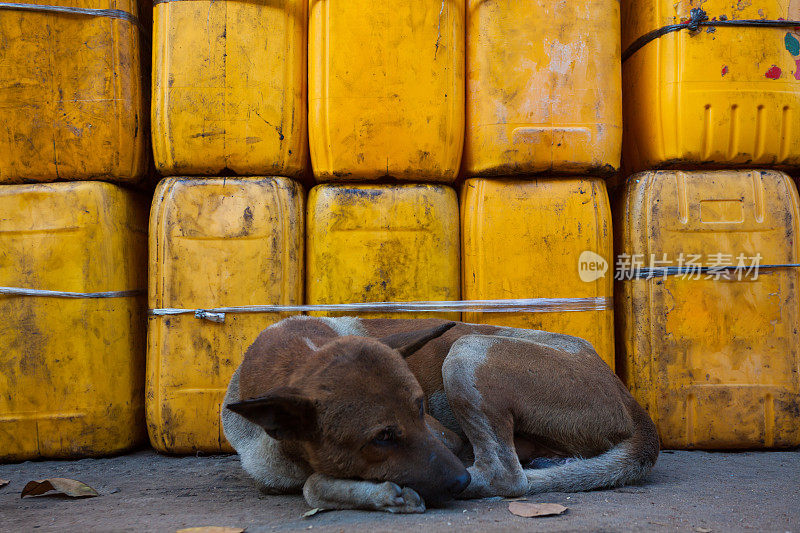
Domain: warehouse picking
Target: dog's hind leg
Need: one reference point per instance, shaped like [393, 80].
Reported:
[486, 422]
[557, 399]
[326, 492]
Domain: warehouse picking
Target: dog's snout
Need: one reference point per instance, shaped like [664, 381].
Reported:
[459, 484]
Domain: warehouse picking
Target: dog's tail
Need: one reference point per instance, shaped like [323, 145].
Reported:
[627, 462]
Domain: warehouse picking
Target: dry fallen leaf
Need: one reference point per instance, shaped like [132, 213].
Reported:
[3, 483]
[68, 487]
[315, 510]
[211, 529]
[529, 510]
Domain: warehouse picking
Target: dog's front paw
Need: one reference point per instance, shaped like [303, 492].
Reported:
[391, 498]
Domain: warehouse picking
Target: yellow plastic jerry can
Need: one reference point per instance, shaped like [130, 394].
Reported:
[214, 242]
[229, 87]
[543, 87]
[382, 243]
[714, 356]
[721, 96]
[72, 376]
[71, 103]
[386, 89]
[536, 239]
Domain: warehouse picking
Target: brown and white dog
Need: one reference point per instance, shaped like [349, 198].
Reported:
[384, 414]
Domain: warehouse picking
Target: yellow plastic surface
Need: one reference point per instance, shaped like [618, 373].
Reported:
[214, 242]
[229, 87]
[71, 370]
[386, 89]
[71, 98]
[382, 243]
[715, 362]
[721, 96]
[543, 87]
[524, 239]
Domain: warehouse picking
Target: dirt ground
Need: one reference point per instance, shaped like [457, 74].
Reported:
[688, 491]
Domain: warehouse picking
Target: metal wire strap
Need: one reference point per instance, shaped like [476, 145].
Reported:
[699, 18]
[82, 11]
[19, 291]
[156, 2]
[660, 272]
[525, 305]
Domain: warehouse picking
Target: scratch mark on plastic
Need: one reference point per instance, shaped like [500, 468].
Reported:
[277, 128]
[439, 31]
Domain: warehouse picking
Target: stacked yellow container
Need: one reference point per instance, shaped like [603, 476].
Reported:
[382, 243]
[72, 105]
[229, 91]
[227, 222]
[540, 238]
[543, 128]
[214, 242]
[708, 339]
[395, 113]
[226, 225]
[690, 101]
[73, 354]
[72, 255]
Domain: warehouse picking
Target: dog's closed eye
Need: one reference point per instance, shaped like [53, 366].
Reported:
[387, 437]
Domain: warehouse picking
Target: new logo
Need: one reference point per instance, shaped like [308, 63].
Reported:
[591, 266]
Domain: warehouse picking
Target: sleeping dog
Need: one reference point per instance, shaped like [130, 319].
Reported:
[385, 414]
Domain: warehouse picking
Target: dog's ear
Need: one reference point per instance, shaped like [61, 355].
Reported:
[411, 341]
[284, 413]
